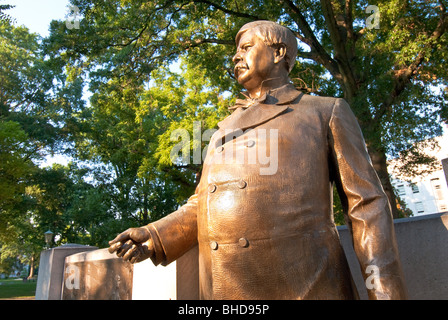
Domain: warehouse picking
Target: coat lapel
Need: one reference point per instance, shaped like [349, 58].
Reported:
[241, 119]
[251, 117]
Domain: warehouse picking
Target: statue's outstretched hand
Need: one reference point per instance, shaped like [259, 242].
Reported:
[133, 245]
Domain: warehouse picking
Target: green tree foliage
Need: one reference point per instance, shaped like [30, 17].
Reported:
[3, 15]
[128, 133]
[14, 162]
[38, 106]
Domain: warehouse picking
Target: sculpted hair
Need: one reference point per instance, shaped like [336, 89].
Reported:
[273, 34]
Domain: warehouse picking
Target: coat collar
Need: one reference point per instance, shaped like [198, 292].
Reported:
[273, 103]
[283, 95]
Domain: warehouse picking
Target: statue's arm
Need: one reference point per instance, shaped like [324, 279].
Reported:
[367, 206]
[162, 241]
[176, 233]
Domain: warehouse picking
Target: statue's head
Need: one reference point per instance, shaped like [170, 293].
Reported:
[265, 50]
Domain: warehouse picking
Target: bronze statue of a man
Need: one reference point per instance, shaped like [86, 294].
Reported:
[271, 234]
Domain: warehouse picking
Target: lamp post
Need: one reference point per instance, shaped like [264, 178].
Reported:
[48, 238]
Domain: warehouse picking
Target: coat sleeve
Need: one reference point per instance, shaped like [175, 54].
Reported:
[367, 206]
[176, 233]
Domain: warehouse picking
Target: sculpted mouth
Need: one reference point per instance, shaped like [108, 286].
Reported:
[239, 68]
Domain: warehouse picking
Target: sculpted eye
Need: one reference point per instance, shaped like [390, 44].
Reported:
[246, 47]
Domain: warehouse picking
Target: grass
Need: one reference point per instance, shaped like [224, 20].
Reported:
[17, 289]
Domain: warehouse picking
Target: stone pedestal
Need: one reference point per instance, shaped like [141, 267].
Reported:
[97, 275]
[51, 270]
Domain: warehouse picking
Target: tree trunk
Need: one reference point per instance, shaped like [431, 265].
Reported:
[380, 166]
[31, 274]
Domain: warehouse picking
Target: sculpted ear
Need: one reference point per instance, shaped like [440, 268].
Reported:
[279, 53]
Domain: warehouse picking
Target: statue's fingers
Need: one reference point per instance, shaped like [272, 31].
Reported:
[124, 248]
[131, 253]
[135, 258]
[122, 237]
[114, 247]
[144, 253]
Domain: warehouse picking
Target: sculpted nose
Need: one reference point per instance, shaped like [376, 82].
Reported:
[237, 58]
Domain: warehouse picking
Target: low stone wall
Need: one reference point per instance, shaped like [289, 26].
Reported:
[422, 243]
[423, 246]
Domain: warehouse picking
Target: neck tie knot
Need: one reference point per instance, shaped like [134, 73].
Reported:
[246, 103]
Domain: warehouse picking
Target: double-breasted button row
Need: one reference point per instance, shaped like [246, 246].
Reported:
[212, 188]
[242, 242]
[240, 184]
[248, 144]
[214, 245]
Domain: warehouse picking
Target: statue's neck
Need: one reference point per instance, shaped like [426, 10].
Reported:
[267, 85]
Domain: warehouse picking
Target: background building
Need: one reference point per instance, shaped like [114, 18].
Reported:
[425, 194]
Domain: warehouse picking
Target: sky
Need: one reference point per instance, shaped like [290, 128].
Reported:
[36, 15]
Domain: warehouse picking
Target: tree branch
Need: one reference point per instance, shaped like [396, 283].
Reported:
[130, 41]
[348, 24]
[318, 53]
[404, 75]
[198, 42]
[349, 16]
[340, 52]
[228, 11]
[307, 55]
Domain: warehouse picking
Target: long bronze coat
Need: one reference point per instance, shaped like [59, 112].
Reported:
[271, 235]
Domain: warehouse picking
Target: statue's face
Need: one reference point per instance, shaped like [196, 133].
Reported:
[254, 60]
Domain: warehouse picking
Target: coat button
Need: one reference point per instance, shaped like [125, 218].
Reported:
[214, 245]
[250, 143]
[242, 184]
[243, 242]
[212, 188]
[220, 149]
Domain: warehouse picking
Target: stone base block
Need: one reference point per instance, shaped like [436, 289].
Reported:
[97, 275]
